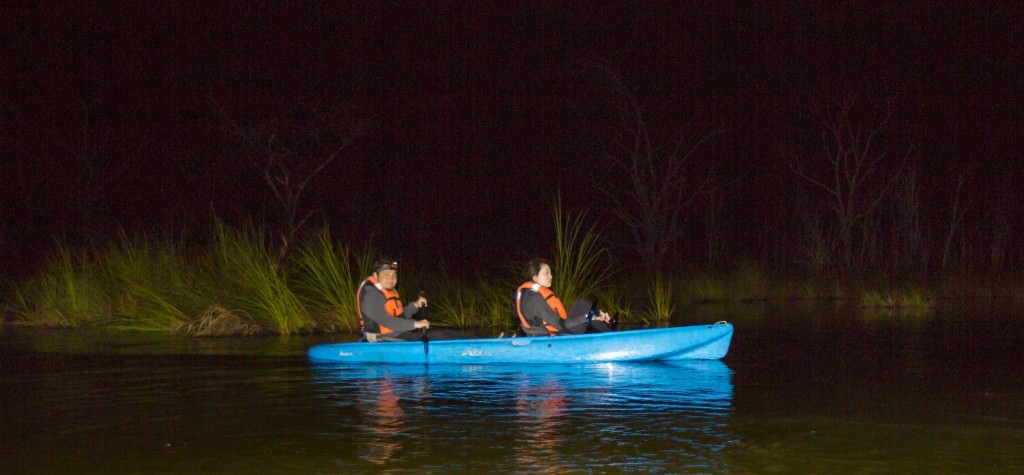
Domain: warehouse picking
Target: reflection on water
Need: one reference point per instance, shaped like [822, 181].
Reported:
[805, 389]
[540, 410]
[547, 418]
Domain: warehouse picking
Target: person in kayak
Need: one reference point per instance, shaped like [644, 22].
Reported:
[381, 314]
[542, 313]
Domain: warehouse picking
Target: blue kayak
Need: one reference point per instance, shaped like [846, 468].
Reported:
[708, 342]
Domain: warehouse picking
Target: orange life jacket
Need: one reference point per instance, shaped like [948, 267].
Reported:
[549, 297]
[392, 304]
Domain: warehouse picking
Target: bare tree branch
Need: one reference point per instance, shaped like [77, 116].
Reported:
[853, 159]
[661, 183]
[292, 149]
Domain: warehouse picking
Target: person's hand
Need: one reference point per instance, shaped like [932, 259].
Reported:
[425, 324]
[421, 302]
[603, 316]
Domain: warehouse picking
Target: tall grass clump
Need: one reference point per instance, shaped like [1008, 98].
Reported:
[255, 282]
[874, 298]
[457, 305]
[155, 285]
[327, 276]
[911, 301]
[68, 293]
[581, 264]
[134, 284]
[463, 304]
[498, 305]
[480, 303]
[916, 299]
[660, 300]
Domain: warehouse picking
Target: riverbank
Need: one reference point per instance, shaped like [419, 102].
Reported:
[237, 285]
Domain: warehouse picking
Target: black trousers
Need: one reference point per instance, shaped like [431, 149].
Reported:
[576, 321]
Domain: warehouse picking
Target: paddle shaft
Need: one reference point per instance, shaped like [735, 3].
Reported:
[426, 339]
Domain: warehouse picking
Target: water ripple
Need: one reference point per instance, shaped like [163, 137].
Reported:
[629, 415]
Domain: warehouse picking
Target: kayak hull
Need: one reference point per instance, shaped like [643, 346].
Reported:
[696, 342]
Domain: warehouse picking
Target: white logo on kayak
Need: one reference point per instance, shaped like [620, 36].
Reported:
[475, 353]
[344, 353]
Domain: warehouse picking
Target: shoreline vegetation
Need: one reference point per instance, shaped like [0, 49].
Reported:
[238, 285]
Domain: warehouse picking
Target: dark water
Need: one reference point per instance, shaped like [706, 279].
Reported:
[803, 390]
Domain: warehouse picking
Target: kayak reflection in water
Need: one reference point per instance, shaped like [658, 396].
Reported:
[381, 314]
[542, 313]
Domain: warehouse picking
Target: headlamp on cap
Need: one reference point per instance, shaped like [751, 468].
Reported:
[385, 265]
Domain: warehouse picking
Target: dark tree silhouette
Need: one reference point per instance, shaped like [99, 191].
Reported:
[291, 149]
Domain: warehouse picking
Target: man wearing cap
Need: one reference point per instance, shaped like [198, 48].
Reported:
[381, 315]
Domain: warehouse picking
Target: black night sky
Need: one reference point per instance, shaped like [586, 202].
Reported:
[477, 113]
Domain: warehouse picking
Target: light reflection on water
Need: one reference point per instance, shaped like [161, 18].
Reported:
[589, 417]
[821, 390]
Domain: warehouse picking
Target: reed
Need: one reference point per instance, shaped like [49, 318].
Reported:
[146, 285]
[460, 303]
[456, 306]
[482, 302]
[916, 299]
[132, 284]
[581, 264]
[152, 311]
[237, 285]
[155, 285]
[660, 300]
[903, 299]
[255, 284]
[67, 293]
[874, 298]
[327, 277]
[498, 304]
